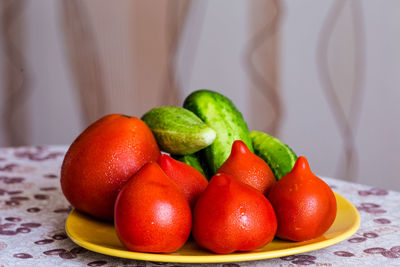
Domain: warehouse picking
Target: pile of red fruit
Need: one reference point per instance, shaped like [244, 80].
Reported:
[114, 171]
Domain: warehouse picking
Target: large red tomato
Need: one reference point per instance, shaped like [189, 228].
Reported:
[102, 159]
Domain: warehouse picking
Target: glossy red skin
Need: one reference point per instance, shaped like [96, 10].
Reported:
[304, 204]
[248, 168]
[232, 216]
[102, 159]
[151, 212]
[190, 180]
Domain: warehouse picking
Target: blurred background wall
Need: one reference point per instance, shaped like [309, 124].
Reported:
[321, 75]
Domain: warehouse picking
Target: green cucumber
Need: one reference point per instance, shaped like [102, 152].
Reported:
[192, 160]
[279, 156]
[218, 112]
[178, 130]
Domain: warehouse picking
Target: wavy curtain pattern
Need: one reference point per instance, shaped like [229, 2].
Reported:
[130, 56]
[143, 71]
[15, 73]
[346, 117]
[175, 19]
[84, 59]
[261, 63]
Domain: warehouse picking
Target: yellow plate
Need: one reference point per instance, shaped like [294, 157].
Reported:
[101, 237]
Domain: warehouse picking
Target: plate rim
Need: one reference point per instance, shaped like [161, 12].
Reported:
[219, 258]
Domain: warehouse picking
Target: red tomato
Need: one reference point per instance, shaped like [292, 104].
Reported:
[102, 159]
[245, 166]
[190, 180]
[304, 204]
[151, 212]
[231, 216]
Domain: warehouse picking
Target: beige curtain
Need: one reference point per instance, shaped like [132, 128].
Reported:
[261, 62]
[15, 76]
[129, 64]
[122, 58]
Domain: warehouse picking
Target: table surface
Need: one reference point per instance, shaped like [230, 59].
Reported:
[33, 211]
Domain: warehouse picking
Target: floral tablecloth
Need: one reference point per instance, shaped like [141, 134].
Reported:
[33, 212]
